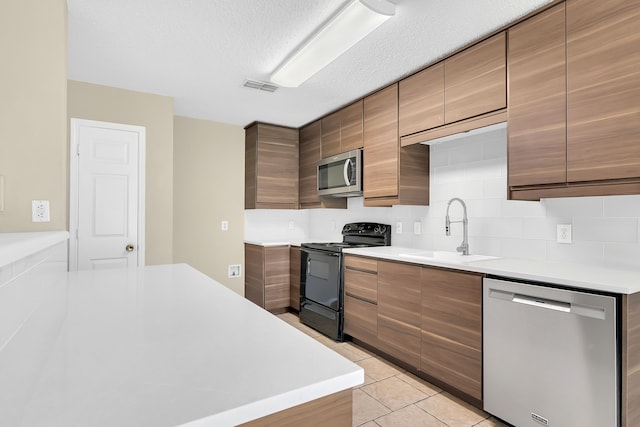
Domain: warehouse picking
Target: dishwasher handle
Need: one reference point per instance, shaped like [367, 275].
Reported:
[549, 304]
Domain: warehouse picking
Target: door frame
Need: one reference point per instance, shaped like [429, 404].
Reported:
[74, 180]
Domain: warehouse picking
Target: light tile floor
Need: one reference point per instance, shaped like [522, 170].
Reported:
[392, 397]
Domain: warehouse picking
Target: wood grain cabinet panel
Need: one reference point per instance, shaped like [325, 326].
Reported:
[351, 127]
[393, 175]
[331, 135]
[421, 100]
[475, 80]
[603, 92]
[399, 318]
[267, 276]
[381, 143]
[361, 298]
[537, 100]
[451, 323]
[271, 167]
[294, 277]
[254, 274]
[309, 155]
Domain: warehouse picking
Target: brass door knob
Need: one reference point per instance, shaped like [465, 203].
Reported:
[129, 248]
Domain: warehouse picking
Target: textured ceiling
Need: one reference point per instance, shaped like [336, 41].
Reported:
[200, 51]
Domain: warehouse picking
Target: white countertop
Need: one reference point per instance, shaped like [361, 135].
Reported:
[14, 246]
[166, 345]
[568, 274]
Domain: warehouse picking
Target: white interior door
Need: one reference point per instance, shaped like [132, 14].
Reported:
[107, 203]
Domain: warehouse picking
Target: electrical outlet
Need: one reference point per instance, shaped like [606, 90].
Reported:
[224, 225]
[564, 233]
[399, 227]
[40, 211]
[292, 225]
[1, 193]
[417, 227]
[234, 270]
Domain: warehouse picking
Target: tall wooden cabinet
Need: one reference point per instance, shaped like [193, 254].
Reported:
[393, 175]
[271, 167]
[603, 93]
[310, 154]
[266, 281]
[586, 146]
[537, 100]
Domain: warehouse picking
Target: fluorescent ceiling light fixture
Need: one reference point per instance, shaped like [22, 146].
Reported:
[353, 23]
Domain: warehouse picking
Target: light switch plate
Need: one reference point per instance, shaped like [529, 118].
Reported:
[1, 193]
[564, 233]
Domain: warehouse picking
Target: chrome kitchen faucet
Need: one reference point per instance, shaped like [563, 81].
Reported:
[464, 246]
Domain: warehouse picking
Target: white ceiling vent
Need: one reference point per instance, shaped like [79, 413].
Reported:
[255, 84]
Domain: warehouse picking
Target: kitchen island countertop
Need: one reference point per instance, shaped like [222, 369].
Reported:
[161, 345]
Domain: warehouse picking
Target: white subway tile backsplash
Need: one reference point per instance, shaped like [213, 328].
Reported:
[606, 230]
[623, 230]
[622, 206]
[574, 206]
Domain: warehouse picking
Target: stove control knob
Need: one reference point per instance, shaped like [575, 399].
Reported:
[347, 227]
[380, 229]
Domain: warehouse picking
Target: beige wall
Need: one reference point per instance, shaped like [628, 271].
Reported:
[33, 93]
[155, 113]
[208, 188]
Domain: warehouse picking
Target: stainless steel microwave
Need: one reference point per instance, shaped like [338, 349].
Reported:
[341, 175]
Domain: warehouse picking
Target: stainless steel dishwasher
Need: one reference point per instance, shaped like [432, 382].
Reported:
[550, 356]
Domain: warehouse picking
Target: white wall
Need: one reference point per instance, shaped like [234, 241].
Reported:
[606, 230]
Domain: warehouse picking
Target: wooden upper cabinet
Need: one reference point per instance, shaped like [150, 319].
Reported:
[351, 127]
[421, 100]
[342, 130]
[399, 317]
[310, 154]
[393, 175]
[381, 143]
[603, 93]
[271, 167]
[537, 100]
[331, 135]
[475, 80]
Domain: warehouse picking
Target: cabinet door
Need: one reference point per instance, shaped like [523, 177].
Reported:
[254, 274]
[452, 329]
[537, 100]
[476, 80]
[361, 319]
[309, 156]
[603, 77]
[294, 277]
[399, 311]
[421, 100]
[331, 135]
[351, 127]
[381, 143]
[276, 277]
[308, 170]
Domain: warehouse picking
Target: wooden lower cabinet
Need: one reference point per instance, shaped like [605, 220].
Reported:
[451, 307]
[361, 298]
[294, 277]
[267, 273]
[399, 311]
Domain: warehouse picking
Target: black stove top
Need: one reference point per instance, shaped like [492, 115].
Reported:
[357, 235]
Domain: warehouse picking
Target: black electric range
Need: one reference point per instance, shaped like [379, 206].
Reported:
[321, 276]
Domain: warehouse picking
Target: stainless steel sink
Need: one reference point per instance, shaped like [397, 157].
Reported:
[445, 256]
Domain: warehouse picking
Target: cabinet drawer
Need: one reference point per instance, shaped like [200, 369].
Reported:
[399, 340]
[360, 319]
[361, 285]
[362, 264]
